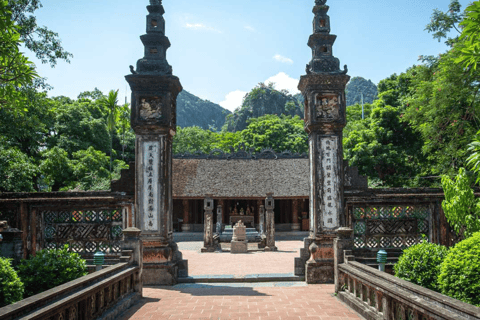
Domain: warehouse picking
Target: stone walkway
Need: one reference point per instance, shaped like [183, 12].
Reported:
[255, 262]
[263, 301]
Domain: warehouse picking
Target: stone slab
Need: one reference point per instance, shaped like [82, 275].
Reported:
[239, 246]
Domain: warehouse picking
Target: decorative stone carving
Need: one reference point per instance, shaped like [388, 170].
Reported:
[208, 244]
[151, 108]
[327, 106]
[239, 243]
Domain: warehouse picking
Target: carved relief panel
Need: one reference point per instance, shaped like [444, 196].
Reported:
[152, 109]
[327, 106]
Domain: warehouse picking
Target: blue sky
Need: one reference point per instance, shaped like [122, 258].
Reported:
[222, 48]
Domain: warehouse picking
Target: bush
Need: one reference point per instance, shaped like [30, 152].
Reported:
[460, 271]
[11, 288]
[50, 268]
[420, 264]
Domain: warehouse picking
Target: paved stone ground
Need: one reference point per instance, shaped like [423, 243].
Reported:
[254, 262]
[270, 301]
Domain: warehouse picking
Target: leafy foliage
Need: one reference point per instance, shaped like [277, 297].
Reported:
[358, 86]
[442, 22]
[420, 264]
[11, 288]
[470, 38]
[459, 277]
[50, 268]
[17, 170]
[461, 208]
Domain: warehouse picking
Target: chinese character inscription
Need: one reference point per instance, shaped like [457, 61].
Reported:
[151, 152]
[330, 201]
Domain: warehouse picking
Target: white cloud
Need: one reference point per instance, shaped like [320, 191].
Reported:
[233, 100]
[284, 82]
[282, 59]
[250, 28]
[200, 26]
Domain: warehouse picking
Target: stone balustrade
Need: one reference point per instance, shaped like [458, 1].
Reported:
[378, 295]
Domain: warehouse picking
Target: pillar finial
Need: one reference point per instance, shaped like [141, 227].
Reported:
[321, 42]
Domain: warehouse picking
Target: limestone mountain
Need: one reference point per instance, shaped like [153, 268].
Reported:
[193, 111]
[262, 100]
[356, 87]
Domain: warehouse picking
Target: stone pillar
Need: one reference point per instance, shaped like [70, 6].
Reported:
[261, 220]
[133, 245]
[208, 245]
[153, 118]
[219, 219]
[295, 223]
[270, 223]
[186, 216]
[323, 89]
[344, 241]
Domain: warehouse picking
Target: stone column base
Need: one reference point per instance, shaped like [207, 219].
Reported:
[239, 246]
[207, 249]
[319, 272]
[295, 226]
[186, 227]
[272, 248]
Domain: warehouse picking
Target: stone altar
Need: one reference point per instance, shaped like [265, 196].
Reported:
[323, 88]
[239, 242]
[153, 118]
[248, 220]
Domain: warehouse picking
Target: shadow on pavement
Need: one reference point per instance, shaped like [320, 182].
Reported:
[137, 306]
[214, 290]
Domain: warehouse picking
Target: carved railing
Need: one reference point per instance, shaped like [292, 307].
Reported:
[85, 230]
[378, 295]
[86, 298]
[384, 227]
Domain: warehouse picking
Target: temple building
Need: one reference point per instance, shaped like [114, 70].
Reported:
[239, 183]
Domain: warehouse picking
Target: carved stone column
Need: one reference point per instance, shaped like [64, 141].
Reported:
[270, 223]
[323, 89]
[153, 118]
[261, 220]
[219, 219]
[295, 223]
[208, 245]
[186, 216]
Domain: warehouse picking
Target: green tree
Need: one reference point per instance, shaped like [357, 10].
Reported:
[43, 42]
[111, 103]
[443, 22]
[193, 139]
[470, 38]
[279, 133]
[15, 69]
[17, 170]
[461, 208]
[56, 168]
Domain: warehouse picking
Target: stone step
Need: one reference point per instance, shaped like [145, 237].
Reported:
[269, 277]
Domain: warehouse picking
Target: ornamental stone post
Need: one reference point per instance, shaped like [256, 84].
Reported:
[343, 242]
[270, 223]
[208, 245]
[295, 223]
[323, 88]
[153, 118]
[261, 220]
[219, 219]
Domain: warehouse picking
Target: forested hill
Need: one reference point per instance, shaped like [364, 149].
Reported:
[356, 87]
[193, 111]
[263, 100]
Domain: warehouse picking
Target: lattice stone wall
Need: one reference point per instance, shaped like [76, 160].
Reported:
[383, 227]
[86, 231]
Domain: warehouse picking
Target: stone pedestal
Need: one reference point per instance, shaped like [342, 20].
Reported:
[320, 268]
[153, 118]
[132, 242]
[208, 245]
[270, 223]
[239, 243]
